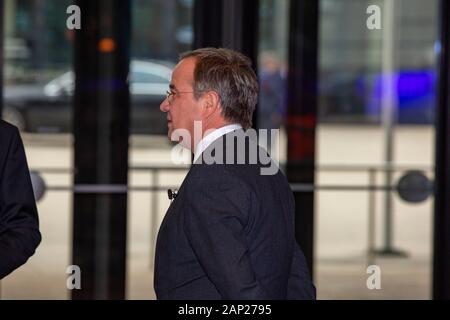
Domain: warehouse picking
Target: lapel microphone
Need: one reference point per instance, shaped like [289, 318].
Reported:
[172, 194]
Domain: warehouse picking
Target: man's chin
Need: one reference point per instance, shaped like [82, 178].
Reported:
[174, 137]
[178, 139]
[170, 132]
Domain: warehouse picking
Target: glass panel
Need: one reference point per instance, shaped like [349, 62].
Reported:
[377, 101]
[154, 54]
[272, 74]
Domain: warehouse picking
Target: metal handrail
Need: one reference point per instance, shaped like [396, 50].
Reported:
[326, 167]
[154, 188]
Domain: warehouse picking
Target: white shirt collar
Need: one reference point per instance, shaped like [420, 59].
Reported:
[213, 136]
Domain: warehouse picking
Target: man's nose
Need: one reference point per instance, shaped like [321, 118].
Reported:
[164, 106]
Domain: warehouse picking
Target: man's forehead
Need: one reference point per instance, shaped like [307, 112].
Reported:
[184, 70]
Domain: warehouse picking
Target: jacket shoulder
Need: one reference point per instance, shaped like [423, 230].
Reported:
[9, 135]
[7, 129]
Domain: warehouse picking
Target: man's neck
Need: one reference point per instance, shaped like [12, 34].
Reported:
[207, 130]
[211, 136]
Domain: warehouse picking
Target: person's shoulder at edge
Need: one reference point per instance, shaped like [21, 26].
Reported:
[6, 128]
[9, 134]
[21, 235]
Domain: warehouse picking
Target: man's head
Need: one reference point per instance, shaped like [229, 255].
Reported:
[214, 86]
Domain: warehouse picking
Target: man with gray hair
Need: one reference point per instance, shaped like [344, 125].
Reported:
[229, 233]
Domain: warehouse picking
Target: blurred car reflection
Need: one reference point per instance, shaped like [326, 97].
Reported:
[356, 97]
[45, 108]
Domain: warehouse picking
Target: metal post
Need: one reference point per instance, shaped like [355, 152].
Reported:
[207, 23]
[302, 115]
[154, 215]
[371, 220]
[388, 108]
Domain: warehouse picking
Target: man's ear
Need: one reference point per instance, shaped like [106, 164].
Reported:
[211, 103]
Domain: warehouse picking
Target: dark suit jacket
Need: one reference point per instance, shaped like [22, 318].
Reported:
[19, 226]
[229, 234]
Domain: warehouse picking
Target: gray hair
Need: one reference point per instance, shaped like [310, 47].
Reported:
[230, 74]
